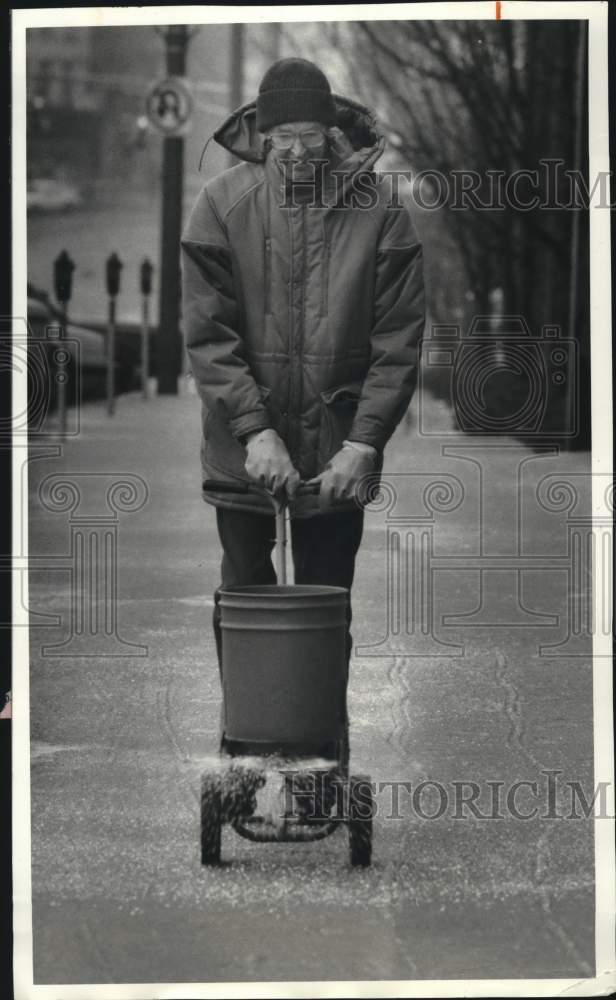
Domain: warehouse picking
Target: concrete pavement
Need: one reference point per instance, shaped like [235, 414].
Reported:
[119, 742]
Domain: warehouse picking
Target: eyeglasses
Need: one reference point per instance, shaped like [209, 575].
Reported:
[311, 139]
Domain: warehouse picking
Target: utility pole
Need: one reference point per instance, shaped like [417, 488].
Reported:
[571, 402]
[236, 80]
[176, 38]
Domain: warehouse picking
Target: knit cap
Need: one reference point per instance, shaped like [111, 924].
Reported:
[294, 90]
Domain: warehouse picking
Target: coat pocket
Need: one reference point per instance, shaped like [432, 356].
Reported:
[338, 409]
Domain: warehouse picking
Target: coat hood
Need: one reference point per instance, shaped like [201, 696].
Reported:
[357, 138]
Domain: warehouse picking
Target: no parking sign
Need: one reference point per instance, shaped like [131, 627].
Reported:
[169, 106]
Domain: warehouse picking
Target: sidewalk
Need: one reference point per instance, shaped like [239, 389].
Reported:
[119, 743]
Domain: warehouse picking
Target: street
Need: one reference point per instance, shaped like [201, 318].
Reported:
[127, 225]
[119, 741]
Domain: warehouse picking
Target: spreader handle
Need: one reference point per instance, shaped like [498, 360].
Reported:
[221, 486]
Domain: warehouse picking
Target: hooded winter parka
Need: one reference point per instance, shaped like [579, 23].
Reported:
[306, 318]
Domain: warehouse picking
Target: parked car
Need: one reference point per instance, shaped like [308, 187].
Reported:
[46, 194]
[87, 364]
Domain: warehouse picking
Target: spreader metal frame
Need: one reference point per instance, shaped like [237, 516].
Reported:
[229, 792]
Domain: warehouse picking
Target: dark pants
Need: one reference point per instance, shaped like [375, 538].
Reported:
[324, 548]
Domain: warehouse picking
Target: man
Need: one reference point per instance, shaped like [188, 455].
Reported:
[303, 307]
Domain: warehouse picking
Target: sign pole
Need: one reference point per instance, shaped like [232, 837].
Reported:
[168, 347]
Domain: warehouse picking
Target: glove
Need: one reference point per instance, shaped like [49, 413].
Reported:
[342, 473]
[268, 463]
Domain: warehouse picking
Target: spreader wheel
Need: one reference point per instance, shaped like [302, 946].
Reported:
[211, 821]
[361, 810]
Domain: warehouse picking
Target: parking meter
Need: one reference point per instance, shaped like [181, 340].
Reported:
[63, 268]
[146, 290]
[146, 277]
[113, 268]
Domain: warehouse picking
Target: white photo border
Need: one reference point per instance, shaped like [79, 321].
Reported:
[604, 982]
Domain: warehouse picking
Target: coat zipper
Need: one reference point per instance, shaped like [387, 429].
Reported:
[295, 390]
[325, 280]
[302, 317]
